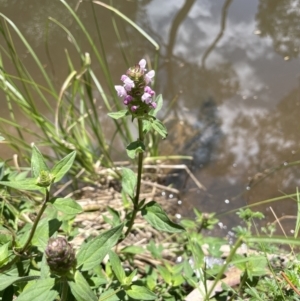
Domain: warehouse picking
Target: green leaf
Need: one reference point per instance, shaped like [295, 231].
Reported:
[146, 126]
[140, 293]
[117, 267]
[41, 235]
[25, 184]
[67, 206]
[151, 280]
[4, 254]
[118, 115]
[159, 128]
[159, 103]
[109, 295]
[135, 147]
[177, 280]
[115, 215]
[2, 169]
[38, 163]
[6, 281]
[165, 274]
[45, 270]
[133, 250]
[62, 167]
[129, 181]
[21, 176]
[93, 252]
[155, 249]
[81, 289]
[39, 290]
[158, 219]
[129, 279]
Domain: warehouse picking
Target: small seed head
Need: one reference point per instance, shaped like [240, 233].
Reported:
[60, 255]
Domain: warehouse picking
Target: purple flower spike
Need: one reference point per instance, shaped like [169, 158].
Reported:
[135, 91]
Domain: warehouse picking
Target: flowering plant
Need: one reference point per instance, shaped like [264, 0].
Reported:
[138, 96]
[140, 100]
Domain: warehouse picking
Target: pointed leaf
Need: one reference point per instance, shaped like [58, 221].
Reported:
[109, 295]
[4, 253]
[158, 219]
[129, 181]
[38, 163]
[159, 128]
[133, 250]
[6, 281]
[135, 147]
[62, 167]
[39, 290]
[25, 184]
[93, 252]
[81, 289]
[67, 206]
[146, 126]
[118, 115]
[159, 103]
[117, 267]
[140, 293]
[165, 274]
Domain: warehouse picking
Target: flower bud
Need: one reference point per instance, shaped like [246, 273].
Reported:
[44, 179]
[60, 255]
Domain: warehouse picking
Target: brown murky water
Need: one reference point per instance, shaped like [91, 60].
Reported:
[232, 68]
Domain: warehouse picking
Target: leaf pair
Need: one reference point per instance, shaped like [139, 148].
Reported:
[42, 176]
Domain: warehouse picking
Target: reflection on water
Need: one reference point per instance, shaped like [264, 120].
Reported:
[230, 66]
[280, 21]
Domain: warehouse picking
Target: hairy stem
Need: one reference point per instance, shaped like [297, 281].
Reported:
[36, 221]
[24, 248]
[139, 179]
[64, 289]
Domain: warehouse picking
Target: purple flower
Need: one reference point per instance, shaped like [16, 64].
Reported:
[134, 108]
[149, 76]
[142, 64]
[128, 99]
[121, 91]
[147, 89]
[146, 97]
[128, 83]
[153, 104]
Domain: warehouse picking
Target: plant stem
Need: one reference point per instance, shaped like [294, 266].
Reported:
[64, 289]
[140, 164]
[36, 221]
[224, 267]
[24, 248]
[139, 179]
